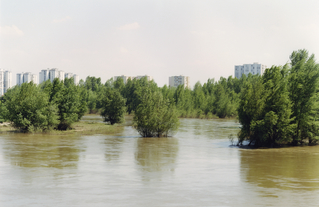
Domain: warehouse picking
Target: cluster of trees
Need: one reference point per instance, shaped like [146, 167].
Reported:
[214, 98]
[282, 106]
[32, 107]
[154, 114]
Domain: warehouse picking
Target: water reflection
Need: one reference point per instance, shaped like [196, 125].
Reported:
[156, 154]
[287, 168]
[210, 128]
[113, 148]
[34, 150]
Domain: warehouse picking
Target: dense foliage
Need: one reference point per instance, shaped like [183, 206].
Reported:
[113, 107]
[155, 116]
[48, 106]
[281, 107]
[28, 108]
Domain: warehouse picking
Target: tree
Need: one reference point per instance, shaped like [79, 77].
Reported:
[303, 84]
[70, 100]
[113, 108]
[225, 99]
[265, 110]
[273, 126]
[251, 105]
[155, 116]
[29, 109]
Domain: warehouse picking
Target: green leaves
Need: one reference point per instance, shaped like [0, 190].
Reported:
[29, 109]
[155, 116]
[113, 107]
[282, 107]
[265, 110]
[303, 93]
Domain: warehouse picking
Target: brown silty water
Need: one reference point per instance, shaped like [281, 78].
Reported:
[195, 167]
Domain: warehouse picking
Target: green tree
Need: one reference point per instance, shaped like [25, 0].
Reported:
[113, 109]
[70, 100]
[265, 110]
[225, 100]
[303, 84]
[119, 84]
[199, 97]
[29, 109]
[251, 106]
[155, 116]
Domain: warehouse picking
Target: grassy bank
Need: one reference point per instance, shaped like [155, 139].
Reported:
[91, 124]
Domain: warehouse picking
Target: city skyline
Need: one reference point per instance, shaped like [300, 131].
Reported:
[202, 39]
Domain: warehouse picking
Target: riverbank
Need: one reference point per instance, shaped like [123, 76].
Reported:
[88, 125]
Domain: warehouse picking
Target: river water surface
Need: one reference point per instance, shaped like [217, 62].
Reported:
[195, 167]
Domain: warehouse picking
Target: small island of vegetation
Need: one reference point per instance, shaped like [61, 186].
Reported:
[281, 107]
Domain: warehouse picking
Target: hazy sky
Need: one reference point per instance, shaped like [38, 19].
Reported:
[200, 39]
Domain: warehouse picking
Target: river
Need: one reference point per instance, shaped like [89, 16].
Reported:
[195, 167]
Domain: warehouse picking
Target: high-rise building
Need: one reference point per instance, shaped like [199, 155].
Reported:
[68, 75]
[19, 79]
[7, 81]
[1, 81]
[27, 77]
[149, 78]
[175, 81]
[125, 78]
[53, 73]
[254, 69]
[76, 79]
[34, 78]
[61, 75]
[44, 75]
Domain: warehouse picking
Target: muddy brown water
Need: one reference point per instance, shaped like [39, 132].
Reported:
[195, 167]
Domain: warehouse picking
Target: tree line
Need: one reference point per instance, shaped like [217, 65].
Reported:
[280, 107]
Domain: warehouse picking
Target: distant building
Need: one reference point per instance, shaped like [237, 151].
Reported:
[1, 81]
[175, 81]
[34, 78]
[19, 79]
[26, 78]
[44, 75]
[125, 78]
[76, 79]
[254, 69]
[68, 75]
[149, 78]
[61, 75]
[7, 81]
[53, 74]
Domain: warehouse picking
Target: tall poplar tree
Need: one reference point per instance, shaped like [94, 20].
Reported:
[303, 84]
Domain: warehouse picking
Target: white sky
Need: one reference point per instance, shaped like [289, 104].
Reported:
[200, 39]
